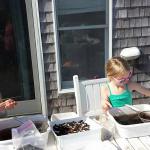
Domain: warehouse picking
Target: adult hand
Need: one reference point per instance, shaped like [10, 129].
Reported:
[10, 104]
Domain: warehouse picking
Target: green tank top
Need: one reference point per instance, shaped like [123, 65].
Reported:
[119, 100]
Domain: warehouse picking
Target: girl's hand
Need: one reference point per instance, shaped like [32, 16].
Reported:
[106, 105]
[104, 97]
[10, 103]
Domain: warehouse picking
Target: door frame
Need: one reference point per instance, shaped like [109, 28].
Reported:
[39, 104]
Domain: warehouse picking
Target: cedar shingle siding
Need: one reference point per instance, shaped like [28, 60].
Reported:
[131, 27]
[56, 103]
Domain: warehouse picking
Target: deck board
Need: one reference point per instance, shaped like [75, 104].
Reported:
[146, 141]
[123, 144]
[137, 144]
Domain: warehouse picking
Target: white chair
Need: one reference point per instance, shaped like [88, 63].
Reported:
[88, 102]
[88, 99]
[88, 96]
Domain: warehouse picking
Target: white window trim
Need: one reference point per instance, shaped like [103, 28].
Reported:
[37, 57]
[109, 52]
[56, 46]
[40, 60]
[110, 26]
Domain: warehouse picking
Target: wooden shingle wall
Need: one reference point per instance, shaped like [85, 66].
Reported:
[131, 27]
[56, 103]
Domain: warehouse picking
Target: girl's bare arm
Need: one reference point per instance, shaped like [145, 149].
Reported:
[104, 98]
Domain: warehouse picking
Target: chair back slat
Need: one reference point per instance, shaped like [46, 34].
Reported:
[88, 96]
[97, 101]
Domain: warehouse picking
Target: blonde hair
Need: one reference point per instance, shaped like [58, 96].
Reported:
[116, 67]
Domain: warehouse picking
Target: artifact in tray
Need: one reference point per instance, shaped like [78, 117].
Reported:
[70, 127]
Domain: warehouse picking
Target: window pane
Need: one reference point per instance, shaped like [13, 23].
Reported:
[16, 78]
[81, 12]
[82, 53]
[82, 19]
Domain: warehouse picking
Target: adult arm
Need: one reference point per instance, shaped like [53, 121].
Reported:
[139, 88]
[8, 104]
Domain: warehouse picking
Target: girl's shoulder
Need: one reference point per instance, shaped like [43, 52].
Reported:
[104, 88]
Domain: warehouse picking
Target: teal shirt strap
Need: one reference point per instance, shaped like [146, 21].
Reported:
[127, 87]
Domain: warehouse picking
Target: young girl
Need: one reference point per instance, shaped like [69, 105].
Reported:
[118, 91]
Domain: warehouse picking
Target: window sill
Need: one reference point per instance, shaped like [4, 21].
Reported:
[66, 91]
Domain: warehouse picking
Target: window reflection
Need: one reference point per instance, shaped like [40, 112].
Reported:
[82, 53]
[82, 31]
[82, 19]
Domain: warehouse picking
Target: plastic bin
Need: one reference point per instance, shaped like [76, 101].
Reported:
[80, 139]
[132, 130]
[12, 122]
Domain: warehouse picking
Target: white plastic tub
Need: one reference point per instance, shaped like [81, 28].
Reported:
[11, 123]
[133, 130]
[80, 139]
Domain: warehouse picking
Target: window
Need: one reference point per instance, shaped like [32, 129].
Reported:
[82, 35]
[19, 73]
